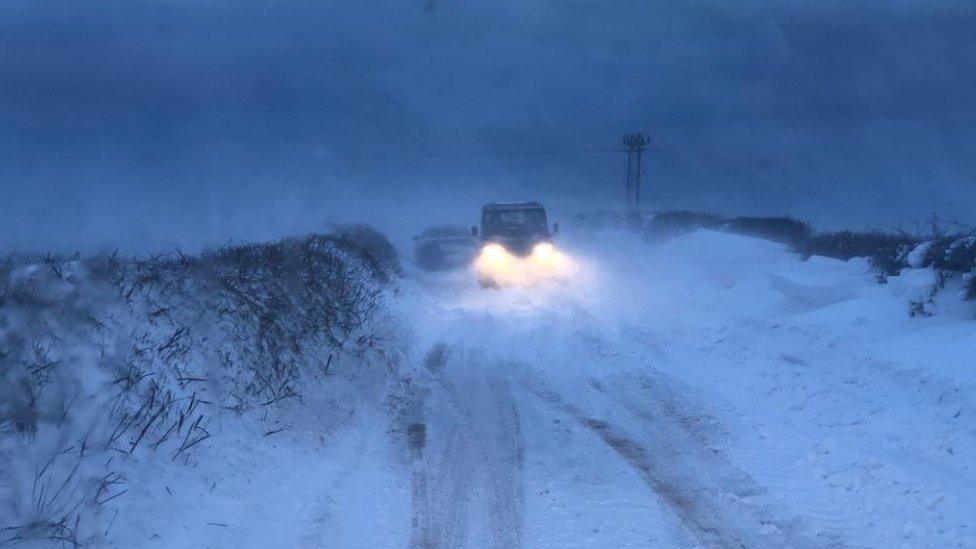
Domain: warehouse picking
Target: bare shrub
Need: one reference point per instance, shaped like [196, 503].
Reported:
[849, 244]
[786, 230]
[371, 247]
[279, 300]
[885, 251]
[63, 500]
[951, 253]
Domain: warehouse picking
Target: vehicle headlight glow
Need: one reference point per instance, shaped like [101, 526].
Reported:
[544, 252]
[494, 254]
[498, 267]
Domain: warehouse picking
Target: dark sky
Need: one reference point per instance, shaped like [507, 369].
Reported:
[159, 123]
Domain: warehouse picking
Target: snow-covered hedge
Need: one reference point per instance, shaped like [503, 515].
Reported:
[664, 225]
[950, 255]
[106, 358]
[882, 248]
[668, 224]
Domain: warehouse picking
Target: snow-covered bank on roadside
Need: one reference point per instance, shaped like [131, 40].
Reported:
[841, 405]
[948, 249]
[161, 398]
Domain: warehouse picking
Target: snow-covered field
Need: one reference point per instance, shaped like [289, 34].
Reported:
[711, 391]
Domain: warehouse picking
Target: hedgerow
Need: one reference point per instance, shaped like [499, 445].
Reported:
[111, 356]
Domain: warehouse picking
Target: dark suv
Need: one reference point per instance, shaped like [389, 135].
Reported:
[517, 226]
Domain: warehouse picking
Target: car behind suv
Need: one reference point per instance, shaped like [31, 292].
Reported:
[444, 247]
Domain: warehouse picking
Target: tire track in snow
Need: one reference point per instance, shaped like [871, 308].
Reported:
[473, 442]
[714, 523]
[421, 531]
[505, 495]
[438, 487]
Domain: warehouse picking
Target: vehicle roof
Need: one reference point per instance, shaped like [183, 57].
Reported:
[512, 206]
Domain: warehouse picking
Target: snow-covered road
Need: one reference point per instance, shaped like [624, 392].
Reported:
[711, 391]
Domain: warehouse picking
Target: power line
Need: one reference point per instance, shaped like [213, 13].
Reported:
[492, 154]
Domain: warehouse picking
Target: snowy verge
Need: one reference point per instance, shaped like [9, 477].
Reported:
[948, 250]
[119, 373]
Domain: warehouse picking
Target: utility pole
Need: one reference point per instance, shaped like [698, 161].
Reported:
[634, 143]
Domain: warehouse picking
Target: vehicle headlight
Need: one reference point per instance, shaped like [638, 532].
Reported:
[544, 252]
[494, 254]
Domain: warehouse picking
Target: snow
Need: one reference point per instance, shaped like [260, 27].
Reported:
[712, 390]
[753, 398]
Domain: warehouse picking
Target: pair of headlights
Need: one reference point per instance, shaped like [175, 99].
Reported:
[495, 254]
[500, 267]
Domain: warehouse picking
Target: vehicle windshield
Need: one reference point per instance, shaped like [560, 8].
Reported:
[514, 222]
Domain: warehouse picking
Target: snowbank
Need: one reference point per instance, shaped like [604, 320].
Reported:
[113, 368]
